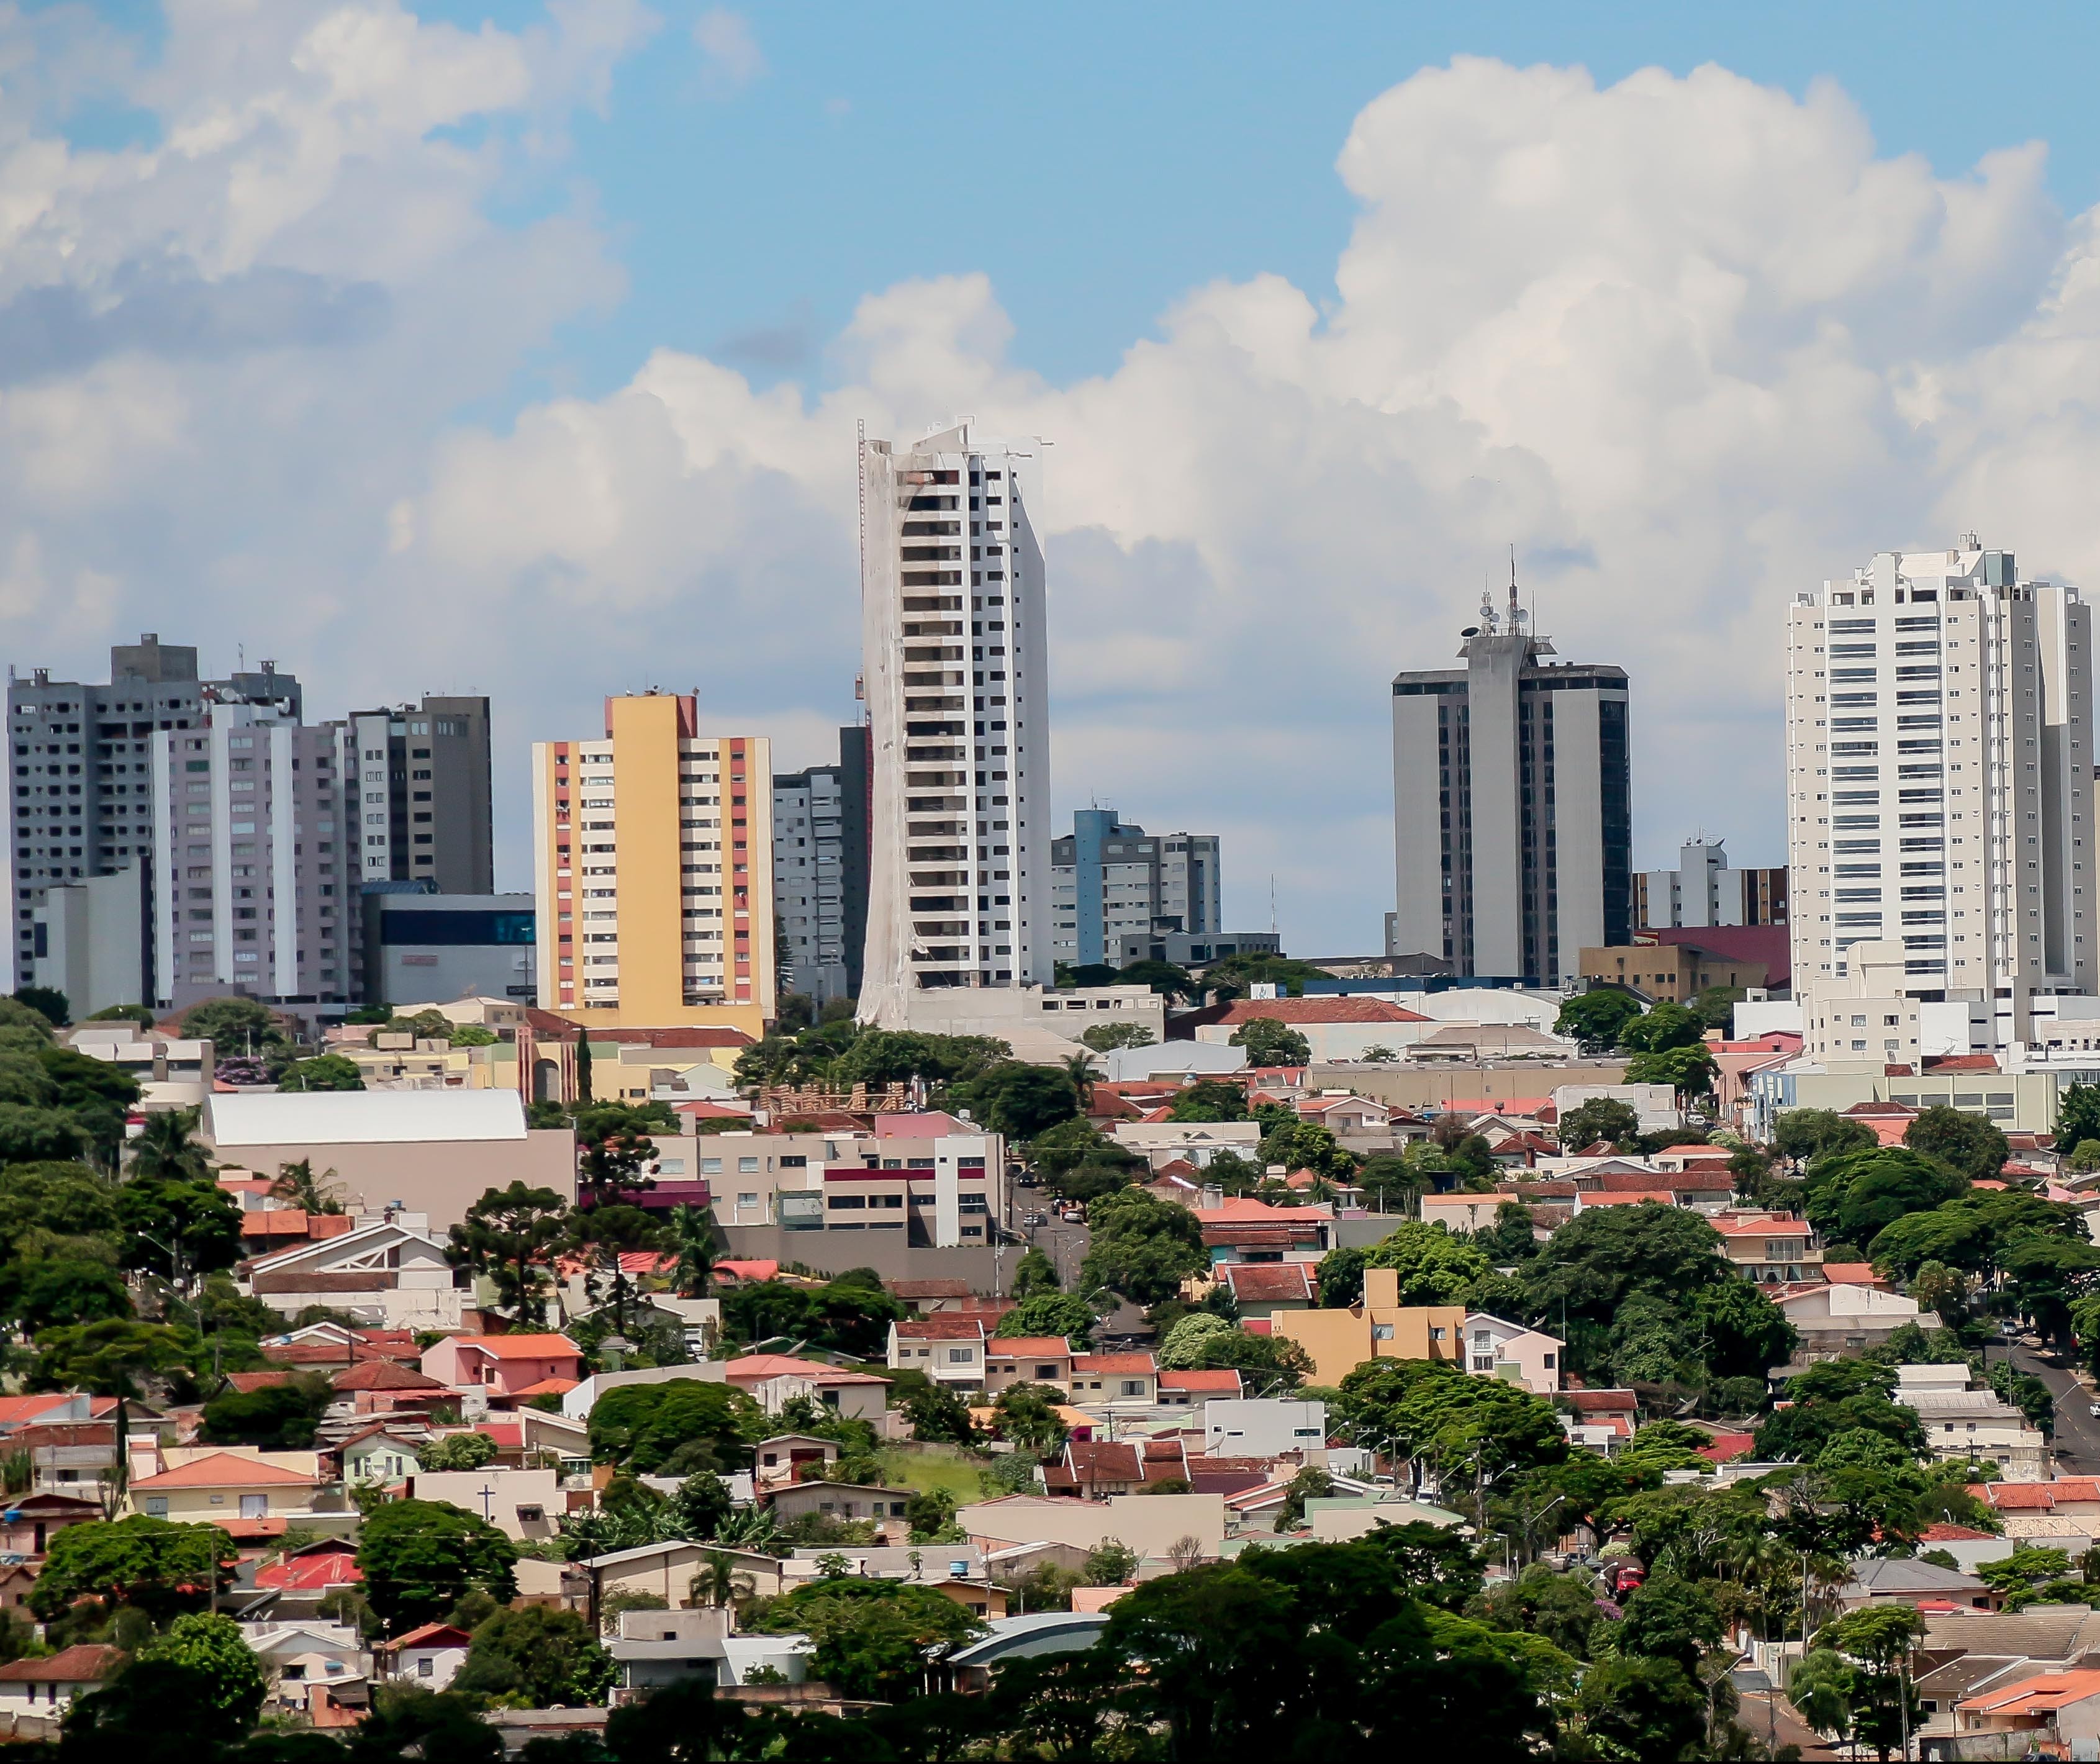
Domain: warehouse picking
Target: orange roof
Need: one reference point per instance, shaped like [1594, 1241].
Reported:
[942, 1326]
[1269, 1282]
[223, 1470]
[548, 1388]
[1115, 1364]
[1760, 1228]
[1850, 1274]
[751, 1271]
[14, 1410]
[380, 1375]
[1244, 1208]
[1226, 1380]
[1633, 1198]
[84, 1663]
[1339, 1008]
[1028, 1346]
[523, 1347]
[2042, 1695]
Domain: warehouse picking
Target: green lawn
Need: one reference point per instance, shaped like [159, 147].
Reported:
[928, 1467]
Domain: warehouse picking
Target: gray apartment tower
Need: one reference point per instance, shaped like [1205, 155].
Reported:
[422, 790]
[1512, 806]
[1110, 881]
[80, 796]
[820, 871]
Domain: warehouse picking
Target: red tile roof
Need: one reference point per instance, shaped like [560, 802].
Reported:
[2044, 1694]
[1339, 1009]
[428, 1635]
[748, 1270]
[1600, 1402]
[1027, 1346]
[548, 1388]
[1222, 1383]
[1118, 1366]
[223, 1470]
[757, 1367]
[84, 1663]
[245, 1382]
[312, 1569]
[382, 1375]
[941, 1326]
[535, 1347]
[1268, 1282]
[1850, 1274]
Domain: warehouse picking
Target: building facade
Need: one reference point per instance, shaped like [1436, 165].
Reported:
[80, 796]
[420, 946]
[254, 882]
[820, 871]
[1512, 806]
[654, 871]
[1704, 890]
[1939, 773]
[1110, 881]
[422, 787]
[953, 664]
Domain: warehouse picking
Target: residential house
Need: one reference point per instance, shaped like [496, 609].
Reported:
[667, 1571]
[32, 1520]
[2061, 1514]
[1245, 1230]
[383, 1273]
[774, 1380]
[1103, 1379]
[1378, 1328]
[1598, 1421]
[301, 1578]
[655, 1648]
[2061, 1711]
[513, 1367]
[47, 1687]
[380, 1388]
[1263, 1289]
[428, 1655]
[785, 1456]
[1262, 1426]
[950, 1349]
[1096, 1469]
[217, 1488]
[1186, 1390]
[1770, 1249]
[1495, 1348]
[1027, 1359]
[926, 1296]
[1839, 1320]
[1894, 1580]
[1161, 1143]
[1962, 1425]
[885, 1507]
[1150, 1524]
[1341, 1113]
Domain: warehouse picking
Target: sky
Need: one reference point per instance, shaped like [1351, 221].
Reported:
[518, 349]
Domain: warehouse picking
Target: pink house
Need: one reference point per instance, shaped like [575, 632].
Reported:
[506, 1365]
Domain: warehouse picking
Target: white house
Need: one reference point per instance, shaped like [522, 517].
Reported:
[1159, 1143]
[428, 1656]
[1262, 1426]
[520, 1503]
[386, 1275]
[1498, 1349]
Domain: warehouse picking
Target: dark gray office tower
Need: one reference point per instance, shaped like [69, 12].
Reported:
[81, 797]
[420, 799]
[820, 871]
[1511, 807]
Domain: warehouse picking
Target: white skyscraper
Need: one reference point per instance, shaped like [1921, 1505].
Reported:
[953, 657]
[1940, 774]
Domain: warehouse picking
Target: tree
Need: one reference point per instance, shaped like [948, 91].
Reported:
[1141, 1247]
[1690, 1071]
[1300, 1145]
[1017, 1099]
[1715, 1006]
[1602, 1119]
[1270, 1042]
[508, 1236]
[179, 1230]
[872, 1638]
[642, 1427]
[694, 1244]
[1033, 1275]
[938, 1416]
[35, 1135]
[613, 1144]
[164, 1149]
[227, 1683]
[1233, 976]
[1053, 1313]
[1877, 1643]
[456, 1451]
[327, 1071]
[1340, 1278]
[1642, 1709]
[547, 1658]
[1026, 1415]
[47, 1002]
[115, 1357]
[158, 1567]
[1595, 1019]
[420, 1557]
[1821, 1691]
[2078, 1114]
[1668, 1618]
[1209, 1099]
[1435, 1265]
[844, 1316]
[236, 1026]
[1510, 1238]
[1804, 1135]
[1106, 1038]
[38, 1293]
[1851, 1197]
[278, 1418]
[1967, 1143]
[1834, 1397]
[297, 1184]
[898, 1056]
[1164, 978]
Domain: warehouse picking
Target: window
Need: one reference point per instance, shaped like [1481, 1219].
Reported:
[959, 1356]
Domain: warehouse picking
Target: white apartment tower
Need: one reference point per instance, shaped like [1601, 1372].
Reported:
[952, 642]
[1940, 779]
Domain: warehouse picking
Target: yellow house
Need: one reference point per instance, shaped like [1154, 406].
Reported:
[1380, 1328]
[224, 1488]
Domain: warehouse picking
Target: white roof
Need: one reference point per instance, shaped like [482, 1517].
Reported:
[361, 1117]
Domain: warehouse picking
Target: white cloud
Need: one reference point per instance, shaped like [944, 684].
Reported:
[1688, 344]
[728, 48]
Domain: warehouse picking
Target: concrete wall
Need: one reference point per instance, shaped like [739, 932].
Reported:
[833, 1252]
[438, 1179]
[1501, 1080]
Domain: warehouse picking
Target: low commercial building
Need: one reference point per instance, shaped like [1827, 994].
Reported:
[420, 944]
[1674, 973]
[1263, 1427]
[431, 1152]
[1962, 1425]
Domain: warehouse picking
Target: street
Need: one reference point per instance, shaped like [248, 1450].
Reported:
[2077, 1442]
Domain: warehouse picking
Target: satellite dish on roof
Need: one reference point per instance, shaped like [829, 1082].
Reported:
[1470, 630]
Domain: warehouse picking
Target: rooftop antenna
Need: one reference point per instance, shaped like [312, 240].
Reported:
[1271, 903]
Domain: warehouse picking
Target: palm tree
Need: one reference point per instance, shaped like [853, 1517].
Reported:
[1079, 1068]
[720, 1582]
[164, 1149]
[297, 1184]
[694, 1243]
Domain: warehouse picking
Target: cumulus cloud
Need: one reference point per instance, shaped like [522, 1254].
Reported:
[728, 49]
[1686, 344]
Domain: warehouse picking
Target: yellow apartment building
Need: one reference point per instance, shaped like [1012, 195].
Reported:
[1380, 1328]
[654, 871]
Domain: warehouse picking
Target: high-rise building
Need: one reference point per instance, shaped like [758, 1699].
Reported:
[1703, 890]
[1110, 881]
[254, 888]
[820, 871]
[654, 871]
[80, 796]
[1512, 806]
[1940, 779]
[422, 787]
[952, 647]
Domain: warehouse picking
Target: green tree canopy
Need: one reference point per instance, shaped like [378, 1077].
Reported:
[1017, 1099]
[641, 1427]
[1688, 1070]
[1141, 1247]
[1802, 1135]
[1601, 1119]
[195, 1220]
[159, 1567]
[327, 1071]
[1661, 1028]
[1270, 1042]
[1209, 1099]
[1852, 1197]
[1435, 1265]
[873, 1637]
[420, 1557]
[508, 1236]
[1970, 1144]
[1051, 1313]
[1595, 1019]
[537, 1658]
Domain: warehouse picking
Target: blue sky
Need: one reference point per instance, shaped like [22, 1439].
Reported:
[1098, 161]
